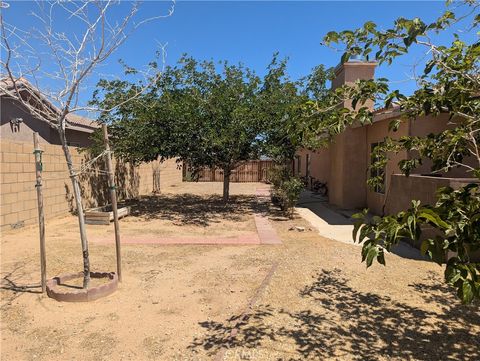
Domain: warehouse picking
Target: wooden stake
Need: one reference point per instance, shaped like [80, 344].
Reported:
[41, 215]
[113, 196]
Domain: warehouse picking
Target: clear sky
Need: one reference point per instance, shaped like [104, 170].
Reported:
[251, 31]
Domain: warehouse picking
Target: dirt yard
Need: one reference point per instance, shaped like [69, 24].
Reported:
[310, 297]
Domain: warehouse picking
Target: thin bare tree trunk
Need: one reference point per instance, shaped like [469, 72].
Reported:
[226, 184]
[73, 55]
[113, 196]
[78, 201]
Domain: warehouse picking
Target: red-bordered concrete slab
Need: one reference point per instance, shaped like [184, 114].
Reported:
[265, 231]
[251, 238]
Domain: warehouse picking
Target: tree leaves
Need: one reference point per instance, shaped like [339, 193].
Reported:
[430, 216]
[467, 291]
[193, 112]
[449, 87]
[456, 221]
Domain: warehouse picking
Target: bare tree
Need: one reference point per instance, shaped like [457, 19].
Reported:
[67, 56]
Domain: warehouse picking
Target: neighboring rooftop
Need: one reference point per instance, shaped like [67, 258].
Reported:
[74, 121]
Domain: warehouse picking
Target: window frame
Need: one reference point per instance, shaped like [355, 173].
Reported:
[308, 161]
[298, 169]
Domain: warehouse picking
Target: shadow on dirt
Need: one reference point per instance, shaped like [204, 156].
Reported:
[342, 322]
[194, 209]
[11, 287]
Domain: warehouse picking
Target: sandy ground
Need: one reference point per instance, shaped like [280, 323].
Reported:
[187, 215]
[182, 302]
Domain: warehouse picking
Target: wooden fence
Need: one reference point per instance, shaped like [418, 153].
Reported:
[251, 171]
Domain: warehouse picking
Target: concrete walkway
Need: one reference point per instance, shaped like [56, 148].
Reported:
[336, 224]
[266, 232]
[330, 224]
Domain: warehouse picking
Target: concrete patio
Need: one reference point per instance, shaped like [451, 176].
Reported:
[336, 223]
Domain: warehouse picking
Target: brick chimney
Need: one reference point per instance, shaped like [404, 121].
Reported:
[349, 153]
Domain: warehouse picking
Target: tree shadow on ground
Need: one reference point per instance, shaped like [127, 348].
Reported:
[13, 286]
[433, 289]
[191, 209]
[224, 335]
[342, 322]
[94, 182]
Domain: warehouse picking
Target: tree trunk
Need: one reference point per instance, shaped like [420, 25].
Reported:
[226, 184]
[78, 202]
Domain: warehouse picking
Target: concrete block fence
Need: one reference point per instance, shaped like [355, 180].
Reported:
[18, 202]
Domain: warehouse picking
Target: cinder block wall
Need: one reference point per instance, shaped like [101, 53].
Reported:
[423, 188]
[170, 173]
[18, 200]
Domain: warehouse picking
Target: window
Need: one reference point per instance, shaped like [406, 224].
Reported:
[298, 164]
[375, 172]
[307, 166]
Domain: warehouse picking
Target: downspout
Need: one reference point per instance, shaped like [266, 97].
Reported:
[367, 155]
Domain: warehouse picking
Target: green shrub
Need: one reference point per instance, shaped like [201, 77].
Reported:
[290, 192]
[277, 175]
[286, 188]
[456, 219]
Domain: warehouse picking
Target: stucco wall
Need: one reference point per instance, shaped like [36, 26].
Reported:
[345, 164]
[376, 133]
[354, 168]
[319, 164]
[335, 188]
[404, 189]
[18, 202]
[11, 108]
[347, 187]
[423, 126]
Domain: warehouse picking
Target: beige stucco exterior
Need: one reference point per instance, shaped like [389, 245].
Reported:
[344, 165]
[347, 187]
[319, 164]
[11, 109]
[18, 204]
[418, 187]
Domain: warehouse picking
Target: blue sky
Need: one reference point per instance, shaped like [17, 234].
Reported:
[250, 32]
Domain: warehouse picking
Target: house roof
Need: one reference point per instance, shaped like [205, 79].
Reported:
[386, 113]
[73, 121]
[79, 121]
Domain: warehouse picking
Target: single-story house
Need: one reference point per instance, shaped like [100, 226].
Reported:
[19, 124]
[344, 164]
[18, 199]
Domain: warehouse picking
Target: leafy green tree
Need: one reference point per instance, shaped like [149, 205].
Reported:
[205, 117]
[282, 102]
[209, 118]
[278, 105]
[449, 84]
